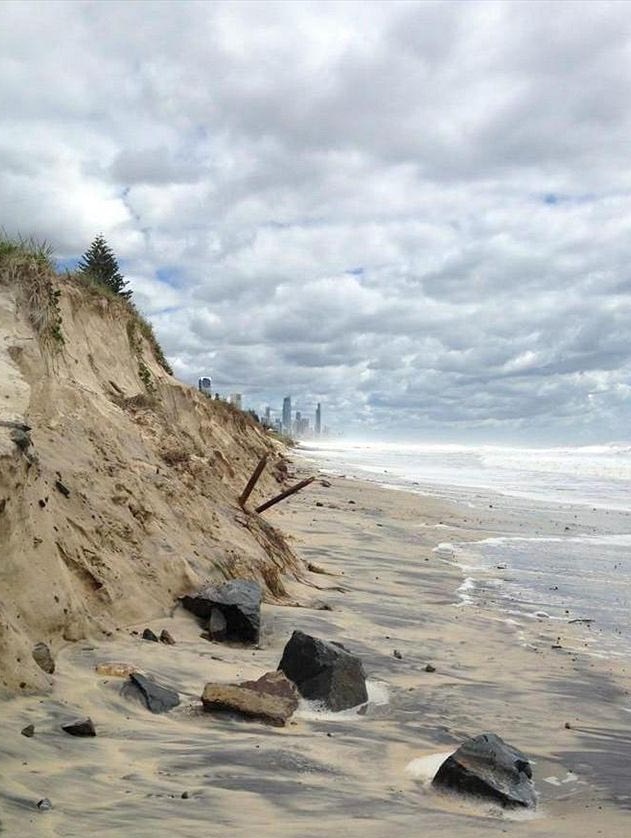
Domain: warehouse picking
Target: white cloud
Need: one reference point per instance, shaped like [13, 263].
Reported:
[418, 213]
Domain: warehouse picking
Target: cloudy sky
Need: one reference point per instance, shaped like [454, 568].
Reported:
[418, 214]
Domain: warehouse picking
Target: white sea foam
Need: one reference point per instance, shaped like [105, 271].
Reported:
[424, 768]
[444, 550]
[574, 573]
[599, 475]
[570, 777]
[378, 694]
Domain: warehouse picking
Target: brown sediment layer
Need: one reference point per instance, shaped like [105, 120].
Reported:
[328, 772]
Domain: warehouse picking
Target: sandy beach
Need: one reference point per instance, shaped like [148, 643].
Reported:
[543, 687]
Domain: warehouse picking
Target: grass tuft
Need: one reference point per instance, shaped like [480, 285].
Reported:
[27, 265]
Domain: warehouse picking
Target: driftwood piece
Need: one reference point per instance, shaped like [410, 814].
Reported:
[291, 491]
[258, 471]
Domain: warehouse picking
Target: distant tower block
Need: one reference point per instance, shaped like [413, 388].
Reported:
[268, 416]
[287, 414]
[236, 399]
[205, 385]
[318, 420]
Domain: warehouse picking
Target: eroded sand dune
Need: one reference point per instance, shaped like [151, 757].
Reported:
[126, 496]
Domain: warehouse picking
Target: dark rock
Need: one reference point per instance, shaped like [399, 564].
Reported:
[397, 654]
[165, 637]
[351, 501]
[28, 731]
[318, 503]
[44, 805]
[324, 671]
[149, 635]
[185, 795]
[21, 438]
[486, 766]
[430, 668]
[65, 491]
[325, 484]
[42, 503]
[43, 658]
[237, 601]
[272, 698]
[83, 727]
[156, 698]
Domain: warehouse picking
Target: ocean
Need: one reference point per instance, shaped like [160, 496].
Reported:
[581, 573]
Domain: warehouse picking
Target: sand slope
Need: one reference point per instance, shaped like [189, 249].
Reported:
[152, 469]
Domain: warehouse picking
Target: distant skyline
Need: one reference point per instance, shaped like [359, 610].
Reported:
[418, 214]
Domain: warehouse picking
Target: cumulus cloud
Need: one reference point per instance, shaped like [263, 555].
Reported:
[416, 213]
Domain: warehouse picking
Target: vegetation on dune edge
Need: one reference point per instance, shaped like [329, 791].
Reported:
[28, 265]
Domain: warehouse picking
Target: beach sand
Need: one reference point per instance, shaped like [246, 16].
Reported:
[361, 775]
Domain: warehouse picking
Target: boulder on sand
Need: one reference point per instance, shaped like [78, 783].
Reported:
[157, 699]
[272, 698]
[233, 610]
[43, 657]
[82, 727]
[486, 766]
[324, 671]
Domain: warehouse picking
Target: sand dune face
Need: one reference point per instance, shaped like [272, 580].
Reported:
[126, 496]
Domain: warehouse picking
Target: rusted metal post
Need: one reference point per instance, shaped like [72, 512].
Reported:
[258, 471]
[292, 490]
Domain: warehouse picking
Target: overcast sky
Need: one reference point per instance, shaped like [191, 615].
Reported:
[418, 214]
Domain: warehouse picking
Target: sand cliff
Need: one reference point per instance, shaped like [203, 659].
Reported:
[123, 494]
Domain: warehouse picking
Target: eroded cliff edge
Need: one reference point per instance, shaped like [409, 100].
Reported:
[118, 484]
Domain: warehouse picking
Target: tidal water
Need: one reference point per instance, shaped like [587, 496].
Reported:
[580, 572]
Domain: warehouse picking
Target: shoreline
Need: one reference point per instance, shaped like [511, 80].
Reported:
[524, 519]
[388, 591]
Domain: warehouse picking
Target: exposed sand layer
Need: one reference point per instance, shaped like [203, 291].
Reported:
[127, 496]
[359, 775]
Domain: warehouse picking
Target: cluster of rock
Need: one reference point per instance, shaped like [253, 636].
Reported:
[314, 669]
[328, 673]
[310, 667]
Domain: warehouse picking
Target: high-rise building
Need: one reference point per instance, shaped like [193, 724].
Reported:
[287, 414]
[205, 385]
[236, 399]
[268, 416]
[318, 419]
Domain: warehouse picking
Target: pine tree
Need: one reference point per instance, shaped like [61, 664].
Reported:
[99, 264]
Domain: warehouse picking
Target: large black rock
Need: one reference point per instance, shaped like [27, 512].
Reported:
[156, 698]
[233, 610]
[82, 727]
[324, 671]
[487, 766]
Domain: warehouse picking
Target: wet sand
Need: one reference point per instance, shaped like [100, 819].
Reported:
[359, 774]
